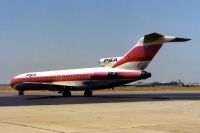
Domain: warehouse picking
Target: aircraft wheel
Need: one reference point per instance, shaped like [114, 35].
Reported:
[66, 93]
[88, 93]
[21, 93]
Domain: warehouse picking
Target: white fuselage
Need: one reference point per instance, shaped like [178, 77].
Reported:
[87, 78]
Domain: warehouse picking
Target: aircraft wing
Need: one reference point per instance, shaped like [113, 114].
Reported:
[42, 86]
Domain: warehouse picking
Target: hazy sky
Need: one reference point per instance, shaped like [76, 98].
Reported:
[38, 35]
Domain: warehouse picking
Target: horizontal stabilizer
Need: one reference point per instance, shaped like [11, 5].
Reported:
[177, 39]
[156, 38]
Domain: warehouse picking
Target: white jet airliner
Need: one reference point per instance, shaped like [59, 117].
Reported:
[113, 72]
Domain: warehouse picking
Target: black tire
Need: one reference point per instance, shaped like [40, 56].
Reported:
[21, 93]
[66, 94]
[88, 93]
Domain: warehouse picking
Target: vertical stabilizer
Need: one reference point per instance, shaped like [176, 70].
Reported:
[139, 57]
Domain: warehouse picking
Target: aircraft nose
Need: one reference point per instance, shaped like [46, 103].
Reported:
[12, 83]
[145, 75]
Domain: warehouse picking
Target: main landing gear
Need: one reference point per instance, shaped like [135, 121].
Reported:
[20, 92]
[66, 93]
[88, 93]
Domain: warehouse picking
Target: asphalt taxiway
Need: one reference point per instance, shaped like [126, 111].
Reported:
[110, 111]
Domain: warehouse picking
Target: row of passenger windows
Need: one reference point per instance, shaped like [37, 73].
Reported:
[62, 77]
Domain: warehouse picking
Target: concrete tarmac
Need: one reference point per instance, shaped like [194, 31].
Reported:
[110, 112]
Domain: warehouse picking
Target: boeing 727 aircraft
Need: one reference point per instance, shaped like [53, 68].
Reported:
[113, 72]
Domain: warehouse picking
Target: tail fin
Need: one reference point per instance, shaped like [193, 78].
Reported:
[144, 51]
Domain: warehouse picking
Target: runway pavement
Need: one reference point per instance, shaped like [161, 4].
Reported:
[109, 111]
